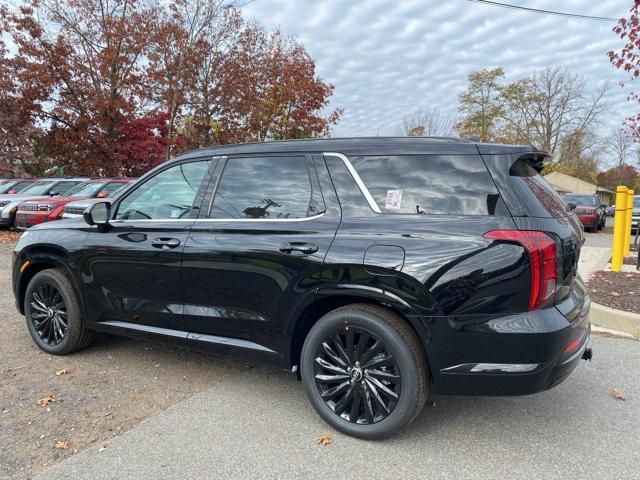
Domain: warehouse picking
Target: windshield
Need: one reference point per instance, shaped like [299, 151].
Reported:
[636, 202]
[85, 189]
[580, 199]
[38, 188]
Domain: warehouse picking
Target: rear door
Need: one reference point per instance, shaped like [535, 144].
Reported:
[254, 255]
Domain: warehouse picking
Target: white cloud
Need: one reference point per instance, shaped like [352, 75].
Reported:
[387, 57]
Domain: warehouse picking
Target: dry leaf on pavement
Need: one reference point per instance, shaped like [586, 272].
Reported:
[62, 371]
[44, 401]
[324, 440]
[63, 444]
[432, 403]
[616, 392]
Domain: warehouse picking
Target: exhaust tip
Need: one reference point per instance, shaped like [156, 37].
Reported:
[587, 354]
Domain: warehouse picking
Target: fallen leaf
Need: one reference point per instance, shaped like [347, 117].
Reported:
[616, 392]
[63, 444]
[44, 401]
[324, 440]
[432, 403]
[59, 373]
[615, 294]
[157, 434]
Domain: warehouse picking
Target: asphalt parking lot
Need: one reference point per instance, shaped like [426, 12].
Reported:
[255, 422]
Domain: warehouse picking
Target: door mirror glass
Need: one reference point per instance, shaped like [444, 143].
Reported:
[97, 214]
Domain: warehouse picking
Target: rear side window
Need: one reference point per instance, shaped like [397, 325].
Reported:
[521, 172]
[430, 184]
[265, 188]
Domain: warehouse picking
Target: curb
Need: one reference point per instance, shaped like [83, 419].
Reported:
[613, 319]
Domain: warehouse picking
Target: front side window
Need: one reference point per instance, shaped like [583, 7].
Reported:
[167, 195]
[264, 188]
[430, 184]
[84, 190]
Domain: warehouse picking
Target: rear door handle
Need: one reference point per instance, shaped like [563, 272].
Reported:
[306, 248]
[165, 243]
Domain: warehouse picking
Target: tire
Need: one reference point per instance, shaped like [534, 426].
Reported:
[49, 302]
[399, 358]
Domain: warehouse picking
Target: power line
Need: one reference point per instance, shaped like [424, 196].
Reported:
[545, 12]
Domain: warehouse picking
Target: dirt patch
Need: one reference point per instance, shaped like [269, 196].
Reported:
[630, 260]
[9, 236]
[106, 389]
[619, 290]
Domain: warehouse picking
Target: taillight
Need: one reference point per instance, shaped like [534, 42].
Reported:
[542, 257]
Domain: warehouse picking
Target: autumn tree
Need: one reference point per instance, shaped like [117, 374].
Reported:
[619, 175]
[550, 106]
[18, 132]
[628, 57]
[187, 54]
[428, 122]
[480, 105]
[80, 62]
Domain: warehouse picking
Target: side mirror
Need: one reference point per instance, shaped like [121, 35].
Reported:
[572, 206]
[97, 214]
[102, 194]
[53, 193]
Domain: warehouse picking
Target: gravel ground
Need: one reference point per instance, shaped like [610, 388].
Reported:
[108, 388]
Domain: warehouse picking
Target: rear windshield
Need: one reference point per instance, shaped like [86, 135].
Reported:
[587, 200]
[39, 188]
[430, 184]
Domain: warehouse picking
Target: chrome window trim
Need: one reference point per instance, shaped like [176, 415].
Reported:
[225, 220]
[361, 185]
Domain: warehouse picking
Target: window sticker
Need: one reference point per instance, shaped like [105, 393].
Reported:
[394, 199]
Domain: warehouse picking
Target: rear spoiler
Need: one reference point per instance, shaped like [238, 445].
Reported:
[537, 159]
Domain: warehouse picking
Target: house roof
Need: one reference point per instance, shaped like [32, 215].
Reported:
[568, 184]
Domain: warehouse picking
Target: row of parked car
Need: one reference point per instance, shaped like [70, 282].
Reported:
[25, 202]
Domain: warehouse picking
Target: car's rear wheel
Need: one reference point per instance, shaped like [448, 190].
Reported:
[364, 371]
[53, 314]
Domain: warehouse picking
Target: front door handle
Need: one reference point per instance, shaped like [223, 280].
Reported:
[165, 243]
[306, 248]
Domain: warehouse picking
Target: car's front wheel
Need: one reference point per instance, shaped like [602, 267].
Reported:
[364, 371]
[53, 314]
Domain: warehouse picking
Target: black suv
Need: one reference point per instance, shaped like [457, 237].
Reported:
[382, 271]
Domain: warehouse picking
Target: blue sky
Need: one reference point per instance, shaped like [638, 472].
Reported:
[387, 57]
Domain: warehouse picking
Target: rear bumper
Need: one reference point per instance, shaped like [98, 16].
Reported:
[520, 354]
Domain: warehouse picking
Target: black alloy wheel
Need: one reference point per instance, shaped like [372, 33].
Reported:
[364, 370]
[53, 314]
[356, 376]
[49, 314]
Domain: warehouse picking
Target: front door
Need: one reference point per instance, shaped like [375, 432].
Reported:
[131, 270]
[256, 254]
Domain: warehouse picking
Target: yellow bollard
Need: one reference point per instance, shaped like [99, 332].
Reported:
[627, 228]
[619, 225]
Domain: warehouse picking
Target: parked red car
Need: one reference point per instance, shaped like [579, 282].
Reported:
[45, 209]
[588, 210]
